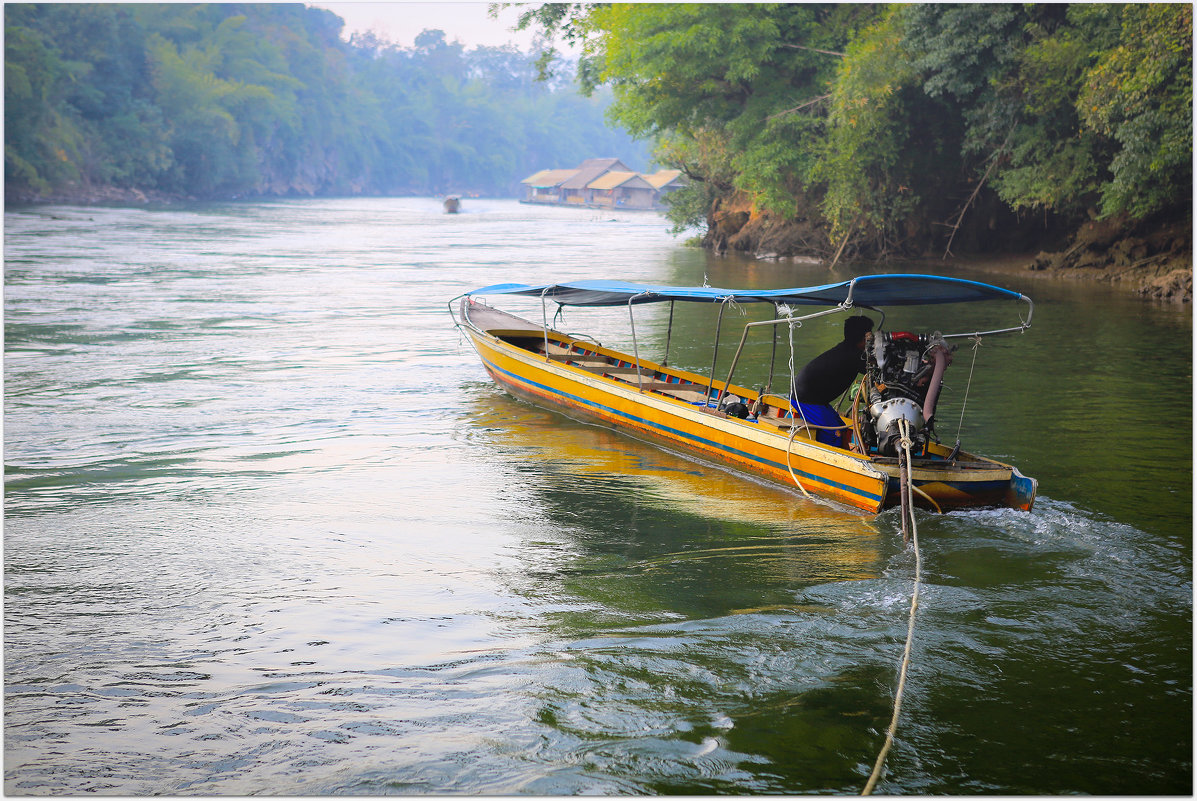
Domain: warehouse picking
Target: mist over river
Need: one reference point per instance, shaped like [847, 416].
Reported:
[270, 529]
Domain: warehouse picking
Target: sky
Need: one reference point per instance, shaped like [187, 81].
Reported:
[401, 22]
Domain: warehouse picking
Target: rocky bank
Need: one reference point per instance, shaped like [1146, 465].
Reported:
[1152, 258]
[89, 195]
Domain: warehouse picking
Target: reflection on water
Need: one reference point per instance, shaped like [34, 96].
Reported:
[1094, 400]
[691, 539]
[679, 482]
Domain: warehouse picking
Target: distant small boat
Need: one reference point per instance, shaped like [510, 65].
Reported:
[452, 204]
[893, 410]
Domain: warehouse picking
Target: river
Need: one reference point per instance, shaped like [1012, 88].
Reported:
[270, 529]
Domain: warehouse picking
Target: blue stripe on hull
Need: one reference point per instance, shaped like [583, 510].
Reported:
[982, 492]
[666, 432]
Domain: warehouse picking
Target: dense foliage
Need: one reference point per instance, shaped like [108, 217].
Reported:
[898, 127]
[218, 101]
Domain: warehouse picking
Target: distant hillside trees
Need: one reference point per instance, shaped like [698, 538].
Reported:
[246, 100]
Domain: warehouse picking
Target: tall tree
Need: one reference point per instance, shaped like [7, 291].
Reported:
[897, 126]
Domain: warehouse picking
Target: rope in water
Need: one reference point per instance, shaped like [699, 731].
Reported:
[906, 489]
[907, 508]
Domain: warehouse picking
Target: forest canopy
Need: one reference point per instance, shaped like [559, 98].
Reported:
[252, 100]
[896, 128]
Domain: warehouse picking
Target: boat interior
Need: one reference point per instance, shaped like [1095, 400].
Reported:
[709, 395]
[712, 396]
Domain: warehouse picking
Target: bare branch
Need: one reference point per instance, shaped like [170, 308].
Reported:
[847, 236]
[815, 50]
[997, 157]
[800, 107]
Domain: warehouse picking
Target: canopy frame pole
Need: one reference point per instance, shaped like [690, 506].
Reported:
[544, 314]
[775, 322]
[715, 355]
[635, 344]
[1025, 324]
[772, 352]
[456, 322]
[668, 335]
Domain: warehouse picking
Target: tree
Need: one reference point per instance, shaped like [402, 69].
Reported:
[218, 101]
[718, 86]
[900, 125]
[867, 180]
[42, 139]
[1140, 94]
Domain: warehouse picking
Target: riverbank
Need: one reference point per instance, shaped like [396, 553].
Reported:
[1152, 259]
[79, 195]
[1155, 261]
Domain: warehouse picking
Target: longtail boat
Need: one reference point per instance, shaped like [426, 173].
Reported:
[892, 409]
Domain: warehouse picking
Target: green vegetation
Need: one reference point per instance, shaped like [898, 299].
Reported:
[222, 101]
[882, 129]
[903, 128]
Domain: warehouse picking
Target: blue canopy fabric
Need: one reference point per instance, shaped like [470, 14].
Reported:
[865, 290]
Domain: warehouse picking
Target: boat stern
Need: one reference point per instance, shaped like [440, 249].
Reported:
[973, 482]
[1020, 494]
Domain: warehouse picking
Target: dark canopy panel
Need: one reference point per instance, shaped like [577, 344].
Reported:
[868, 290]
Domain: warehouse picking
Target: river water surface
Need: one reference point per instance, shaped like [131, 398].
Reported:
[270, 529]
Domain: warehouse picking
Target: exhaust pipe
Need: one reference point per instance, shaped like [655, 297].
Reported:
[940, 355]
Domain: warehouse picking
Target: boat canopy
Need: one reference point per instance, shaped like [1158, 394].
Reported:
[865, 290]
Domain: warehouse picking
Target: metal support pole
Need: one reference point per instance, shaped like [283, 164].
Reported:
[635, 344]
[668, 335]
[773, 352]
[775, 323]
[544, 314]
[715, 355]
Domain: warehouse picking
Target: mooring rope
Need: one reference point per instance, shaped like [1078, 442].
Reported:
[907, 508]
[968, 387]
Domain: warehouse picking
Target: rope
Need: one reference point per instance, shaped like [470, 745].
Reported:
[907, 506]
[926, 497]
[783, 309]
[788, 312]
[797, 407]
[860, 444]
[790, 467]
[969, 386]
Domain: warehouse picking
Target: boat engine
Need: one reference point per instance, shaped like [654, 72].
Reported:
[902, 381]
